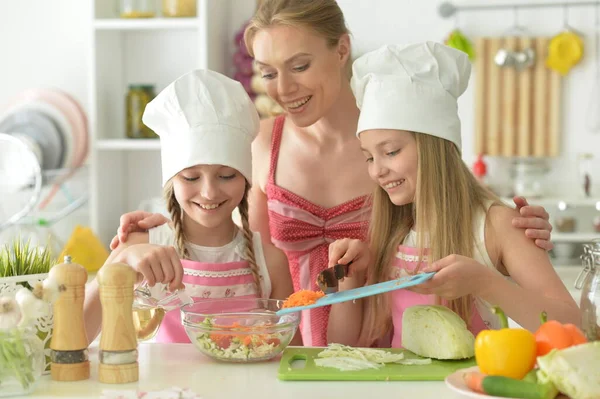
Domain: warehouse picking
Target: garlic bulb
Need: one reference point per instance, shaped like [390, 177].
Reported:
[10, 313]
[31, 306]
[51, 290]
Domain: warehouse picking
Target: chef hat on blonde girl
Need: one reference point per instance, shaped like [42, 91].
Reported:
[205, 118]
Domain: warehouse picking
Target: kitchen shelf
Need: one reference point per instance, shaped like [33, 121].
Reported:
[124, 24]
[128, 145]
[125, 173]
[574, 237]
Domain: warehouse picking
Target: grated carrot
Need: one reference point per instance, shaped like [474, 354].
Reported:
[302, 298]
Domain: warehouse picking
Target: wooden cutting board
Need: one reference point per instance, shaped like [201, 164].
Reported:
[437, 370]
[517, 112]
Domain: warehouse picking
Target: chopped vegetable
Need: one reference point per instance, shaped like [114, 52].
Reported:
[240, 343]
[436, 332]
[554, 335]
[302, 298]
[347, 363]
[575, 370]
[508, 352]
[347, 358]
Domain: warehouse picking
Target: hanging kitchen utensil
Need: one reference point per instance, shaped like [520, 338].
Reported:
[357, 293]
[456, 39]
[509, 57]
[593, 113]
[565, 49]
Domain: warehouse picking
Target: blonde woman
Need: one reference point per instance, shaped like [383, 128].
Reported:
[310, 184]
[428, 211]
[206, 123]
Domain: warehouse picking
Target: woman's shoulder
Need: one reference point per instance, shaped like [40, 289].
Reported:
[265, 134]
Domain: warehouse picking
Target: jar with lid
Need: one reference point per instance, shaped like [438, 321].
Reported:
[589, 283]
[178, 8]
[137, 98]
[528, 177]
[137, 8]
[596, 221]
[565, 221]
[585, 174]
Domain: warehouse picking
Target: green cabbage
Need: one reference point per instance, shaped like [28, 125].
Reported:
[436, 332]
[575, 371]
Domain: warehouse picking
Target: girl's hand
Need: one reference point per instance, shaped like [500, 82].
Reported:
[158, 264]
[349, 250]
[534, 219]
[456, 276]
[136, 221]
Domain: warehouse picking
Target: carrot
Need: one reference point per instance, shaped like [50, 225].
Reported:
[474, 381]
[302, 298]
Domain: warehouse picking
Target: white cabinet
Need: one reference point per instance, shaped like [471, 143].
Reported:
[139, 51]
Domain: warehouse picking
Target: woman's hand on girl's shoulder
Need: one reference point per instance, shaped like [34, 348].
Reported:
[535, 221]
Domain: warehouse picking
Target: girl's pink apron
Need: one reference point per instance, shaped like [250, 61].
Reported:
[215, 280]
[402, 299]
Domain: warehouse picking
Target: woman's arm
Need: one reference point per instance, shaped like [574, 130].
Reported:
[281, 280]
[538, 288]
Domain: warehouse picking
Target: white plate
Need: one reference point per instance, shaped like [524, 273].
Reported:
[456, 382]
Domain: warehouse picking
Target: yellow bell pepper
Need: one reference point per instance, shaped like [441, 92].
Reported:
[508, 352]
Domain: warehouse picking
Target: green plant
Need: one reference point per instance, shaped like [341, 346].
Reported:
[21, 258]
[17, 357]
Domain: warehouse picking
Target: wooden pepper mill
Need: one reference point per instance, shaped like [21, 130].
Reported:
[118, 342]
[69, 342]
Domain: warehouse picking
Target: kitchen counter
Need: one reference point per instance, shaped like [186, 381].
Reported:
[166, 365]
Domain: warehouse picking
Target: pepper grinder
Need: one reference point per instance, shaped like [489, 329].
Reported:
[69, 343]
[118, 342]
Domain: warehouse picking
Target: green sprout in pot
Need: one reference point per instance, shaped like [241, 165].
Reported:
[21, 258]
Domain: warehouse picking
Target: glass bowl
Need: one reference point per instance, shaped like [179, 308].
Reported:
[240, 330]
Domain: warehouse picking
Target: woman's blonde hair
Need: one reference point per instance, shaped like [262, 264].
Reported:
[446, 203]
[176, 213]
[321, 16]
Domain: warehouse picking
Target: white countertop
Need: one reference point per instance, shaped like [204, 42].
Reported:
[166, 365]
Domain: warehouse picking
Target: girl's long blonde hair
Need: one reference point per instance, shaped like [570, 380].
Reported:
[446, 203]
[176, 213]
[324, 17]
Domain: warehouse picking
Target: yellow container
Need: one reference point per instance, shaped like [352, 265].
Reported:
[178, 8]
[137, 98]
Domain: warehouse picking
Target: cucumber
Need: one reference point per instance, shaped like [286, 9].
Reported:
[512, 388]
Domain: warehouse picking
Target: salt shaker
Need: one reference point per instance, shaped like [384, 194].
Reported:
[69, 344]
[118, 343]
[589, 283]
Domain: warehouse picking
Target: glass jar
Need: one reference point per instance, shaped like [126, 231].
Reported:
[137, 98]
[137, 8]
[528, 177]
[596, 221]
[565, 221]
[178, 8]
[589, 283]
[22, 361]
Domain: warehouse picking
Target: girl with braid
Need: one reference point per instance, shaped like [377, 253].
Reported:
[206, 123]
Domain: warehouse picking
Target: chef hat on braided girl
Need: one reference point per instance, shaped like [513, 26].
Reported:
[204, 118]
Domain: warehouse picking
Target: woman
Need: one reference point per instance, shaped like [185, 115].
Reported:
[310, 184]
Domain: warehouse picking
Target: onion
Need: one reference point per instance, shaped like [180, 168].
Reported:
[10, 313]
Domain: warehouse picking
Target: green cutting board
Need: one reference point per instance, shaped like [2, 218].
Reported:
[437, 370]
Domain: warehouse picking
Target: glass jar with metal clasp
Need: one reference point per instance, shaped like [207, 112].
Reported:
[589, 283]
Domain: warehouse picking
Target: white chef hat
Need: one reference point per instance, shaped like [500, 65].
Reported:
[203, 118]
[411, 87]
